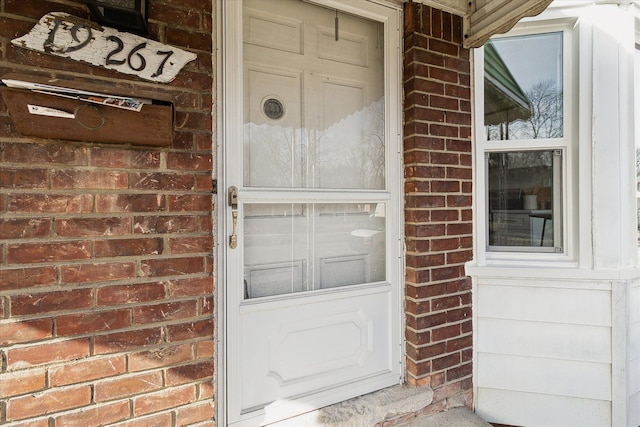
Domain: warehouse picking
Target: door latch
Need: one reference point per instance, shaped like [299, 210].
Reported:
[233, 203]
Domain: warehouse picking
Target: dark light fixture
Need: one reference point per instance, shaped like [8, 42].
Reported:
[124, 15]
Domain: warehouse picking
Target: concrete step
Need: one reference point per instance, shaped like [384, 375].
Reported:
[457, 417]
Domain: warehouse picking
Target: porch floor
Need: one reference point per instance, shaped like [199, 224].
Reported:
[456, 417]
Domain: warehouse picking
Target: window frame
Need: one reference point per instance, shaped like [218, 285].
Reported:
[565, 221]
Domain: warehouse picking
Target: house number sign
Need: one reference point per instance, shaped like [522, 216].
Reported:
[61, 34]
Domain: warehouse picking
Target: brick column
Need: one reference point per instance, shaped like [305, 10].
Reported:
[438, 216]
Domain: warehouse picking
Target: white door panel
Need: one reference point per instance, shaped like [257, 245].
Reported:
[272, 154]
[275, 278]
[344, 270]
[295, 343]
[350, 49]
[278, 32]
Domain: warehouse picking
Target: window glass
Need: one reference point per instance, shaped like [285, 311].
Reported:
[521, 208]
[523, 87]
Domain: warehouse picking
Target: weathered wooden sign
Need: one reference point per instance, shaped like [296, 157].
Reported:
[65, 35]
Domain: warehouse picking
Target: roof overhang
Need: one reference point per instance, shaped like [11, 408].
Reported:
[489, 17]
[484, 18]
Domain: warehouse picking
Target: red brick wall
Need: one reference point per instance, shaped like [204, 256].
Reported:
[437, 153]
[106, 307]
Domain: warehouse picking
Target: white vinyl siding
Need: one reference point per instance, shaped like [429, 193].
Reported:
[549, 344]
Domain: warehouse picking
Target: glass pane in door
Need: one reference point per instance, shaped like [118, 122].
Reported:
[300, 247]
[314, 109]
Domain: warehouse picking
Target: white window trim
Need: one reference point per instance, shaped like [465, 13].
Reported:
[568, 257]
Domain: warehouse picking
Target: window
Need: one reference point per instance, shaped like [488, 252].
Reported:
[522, 135]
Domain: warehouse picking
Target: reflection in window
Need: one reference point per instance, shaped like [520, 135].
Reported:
[523, 87]
[300, 247]
[522, 200]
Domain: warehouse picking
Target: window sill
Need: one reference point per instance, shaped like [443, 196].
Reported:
[547, 271]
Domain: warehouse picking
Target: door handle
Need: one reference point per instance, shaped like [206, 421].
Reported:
[233, 203]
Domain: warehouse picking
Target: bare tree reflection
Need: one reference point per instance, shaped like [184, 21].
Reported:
[546, 113]
[545, 121]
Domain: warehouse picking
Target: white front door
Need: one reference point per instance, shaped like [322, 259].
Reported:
[311, 147]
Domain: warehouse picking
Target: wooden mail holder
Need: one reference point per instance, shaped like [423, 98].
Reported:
[151, 126]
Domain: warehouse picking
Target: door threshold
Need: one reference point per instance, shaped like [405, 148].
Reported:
[367, 410]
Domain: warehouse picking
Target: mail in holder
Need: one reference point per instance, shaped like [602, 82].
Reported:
[53, 109]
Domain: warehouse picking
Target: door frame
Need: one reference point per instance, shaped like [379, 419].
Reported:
[228, 50]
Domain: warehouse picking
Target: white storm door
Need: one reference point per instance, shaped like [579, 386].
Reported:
[311, 152]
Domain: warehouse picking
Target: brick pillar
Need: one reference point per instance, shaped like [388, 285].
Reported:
[438, 216]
